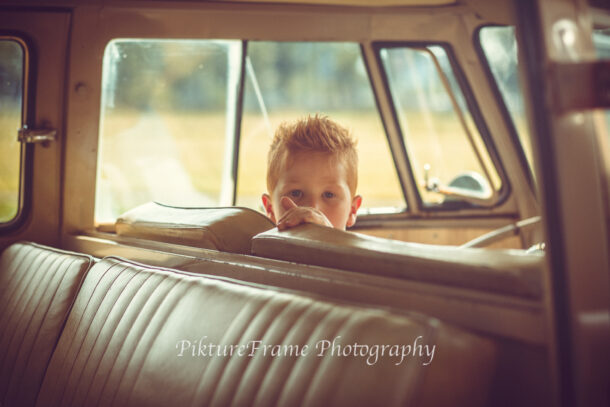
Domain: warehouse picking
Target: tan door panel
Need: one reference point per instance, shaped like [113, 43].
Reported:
[45, 35]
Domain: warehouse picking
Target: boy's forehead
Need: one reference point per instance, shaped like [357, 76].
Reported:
[314, 167]
[308, 157]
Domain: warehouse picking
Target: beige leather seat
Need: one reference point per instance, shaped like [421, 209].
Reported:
[144, 336]
[512, 272]
[37, 287]
[224, 229]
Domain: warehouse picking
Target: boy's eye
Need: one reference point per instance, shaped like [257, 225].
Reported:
[295, 193]
[328, 194]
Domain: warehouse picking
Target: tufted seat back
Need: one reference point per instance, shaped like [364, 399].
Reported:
[145, 336]
[37, 287]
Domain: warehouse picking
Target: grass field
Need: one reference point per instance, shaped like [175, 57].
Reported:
[178, 158]
[10, 121]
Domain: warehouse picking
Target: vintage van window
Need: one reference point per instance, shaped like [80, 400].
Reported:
[601, 117]
[444, 145]
[286, 81]
[601, 41]
[12, 65]
[499, 46]
[168, 129]
[167, 106]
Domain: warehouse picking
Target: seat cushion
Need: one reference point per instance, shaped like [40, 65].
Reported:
[512, 272]
[144, 336]
[224, 229]
[37, 287]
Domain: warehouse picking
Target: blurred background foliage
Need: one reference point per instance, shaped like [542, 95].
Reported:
[176, 75]
[11, 90]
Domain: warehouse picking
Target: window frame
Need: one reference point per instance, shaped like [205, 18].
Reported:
[506, 116]
[395, 154]
[477, 117]
[238, 109]
[409, 211]
[26, 150]
[238, 119]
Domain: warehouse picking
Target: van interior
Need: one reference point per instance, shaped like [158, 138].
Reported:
[138, 266]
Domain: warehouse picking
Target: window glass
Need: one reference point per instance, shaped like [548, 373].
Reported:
[500, 48]
[447, 154]
[290, 80]
[601, 41]
[167, 107]
[499, 45]
[11, 112]
[601, 117]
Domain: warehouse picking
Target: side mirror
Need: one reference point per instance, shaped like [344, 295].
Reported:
[469, 186]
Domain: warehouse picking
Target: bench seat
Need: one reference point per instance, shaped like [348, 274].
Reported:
[145, 336]
[38, 285]
[75, 332]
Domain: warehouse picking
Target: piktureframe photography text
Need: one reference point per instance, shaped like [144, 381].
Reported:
[371, 354]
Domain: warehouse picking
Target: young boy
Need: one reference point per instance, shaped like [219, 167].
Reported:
[312, 173]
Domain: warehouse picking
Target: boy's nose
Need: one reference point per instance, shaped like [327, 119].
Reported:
[311, 202]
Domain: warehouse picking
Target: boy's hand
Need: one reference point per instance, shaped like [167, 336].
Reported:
[295, 215]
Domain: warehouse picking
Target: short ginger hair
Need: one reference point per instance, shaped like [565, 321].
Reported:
[316, 134]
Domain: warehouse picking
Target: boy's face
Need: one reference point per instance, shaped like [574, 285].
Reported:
[317, 180]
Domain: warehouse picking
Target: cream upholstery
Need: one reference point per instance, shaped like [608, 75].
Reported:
[37, 287]
[513, 272]
[124, 336]
[224, 229]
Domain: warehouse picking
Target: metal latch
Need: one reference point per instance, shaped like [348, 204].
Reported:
[43, 136]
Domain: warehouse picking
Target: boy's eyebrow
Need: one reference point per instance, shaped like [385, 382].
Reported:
[325, 183]
[332, 177]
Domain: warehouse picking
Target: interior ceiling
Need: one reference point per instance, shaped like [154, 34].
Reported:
[361, 3]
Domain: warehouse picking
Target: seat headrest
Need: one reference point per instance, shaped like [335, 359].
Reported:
[226, 229]
[512, 272]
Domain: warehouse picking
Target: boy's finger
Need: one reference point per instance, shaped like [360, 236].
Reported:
[291, 219]
[289, 223]
[288, 203]
[286, 215]
[302, 215]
